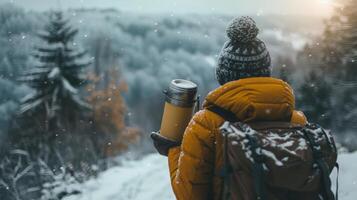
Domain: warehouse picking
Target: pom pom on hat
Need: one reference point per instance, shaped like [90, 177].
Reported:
[242, 29]
[244, 55]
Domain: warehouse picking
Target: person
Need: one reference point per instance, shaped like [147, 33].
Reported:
[248, 90]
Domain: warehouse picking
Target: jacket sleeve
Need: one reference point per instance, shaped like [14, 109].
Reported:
[192, 164]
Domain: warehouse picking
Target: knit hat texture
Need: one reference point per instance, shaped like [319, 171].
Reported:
[243, 55]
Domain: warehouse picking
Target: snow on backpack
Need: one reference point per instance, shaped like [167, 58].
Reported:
[276, 160]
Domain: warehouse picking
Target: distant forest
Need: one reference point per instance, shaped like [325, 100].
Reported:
[80, 86]
[149, 51]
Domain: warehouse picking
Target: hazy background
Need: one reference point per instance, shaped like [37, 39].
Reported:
[285, 7]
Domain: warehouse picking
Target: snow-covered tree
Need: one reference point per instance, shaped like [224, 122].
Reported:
[56, 77]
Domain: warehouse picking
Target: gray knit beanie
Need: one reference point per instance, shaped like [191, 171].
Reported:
[243, 55]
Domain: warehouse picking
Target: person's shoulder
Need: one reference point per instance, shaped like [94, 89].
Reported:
[203, 127]
[299, 117]
[207, 119]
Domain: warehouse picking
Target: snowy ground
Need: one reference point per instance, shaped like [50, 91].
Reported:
[148, 179]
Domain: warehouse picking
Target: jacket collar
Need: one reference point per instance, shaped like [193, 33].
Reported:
[255, 99]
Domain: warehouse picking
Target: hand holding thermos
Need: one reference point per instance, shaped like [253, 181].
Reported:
[181, 99]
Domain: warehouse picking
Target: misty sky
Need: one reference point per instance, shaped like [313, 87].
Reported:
[261, 7]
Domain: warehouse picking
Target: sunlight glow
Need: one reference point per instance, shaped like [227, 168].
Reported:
[323, 7]
[328, 2]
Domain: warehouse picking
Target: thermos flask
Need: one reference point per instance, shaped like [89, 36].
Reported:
[180, 101]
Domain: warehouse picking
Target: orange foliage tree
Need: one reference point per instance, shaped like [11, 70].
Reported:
[109, 113]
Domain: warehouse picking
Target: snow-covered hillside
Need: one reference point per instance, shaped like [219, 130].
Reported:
[135, 180]
[148, 179]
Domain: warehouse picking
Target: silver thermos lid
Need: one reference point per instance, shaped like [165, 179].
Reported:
[181, 93]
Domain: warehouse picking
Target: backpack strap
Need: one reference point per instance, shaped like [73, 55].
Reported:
[321, 163]
[337, 166]
[226, 168]
[225, 114]
[258, 169]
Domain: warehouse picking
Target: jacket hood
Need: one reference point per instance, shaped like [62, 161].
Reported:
[255, 99]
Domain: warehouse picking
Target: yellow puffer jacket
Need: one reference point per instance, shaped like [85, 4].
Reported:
[195, 165]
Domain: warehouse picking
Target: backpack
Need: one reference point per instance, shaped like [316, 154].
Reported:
[276, 160]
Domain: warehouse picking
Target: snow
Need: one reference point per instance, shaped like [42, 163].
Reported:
[55, 72]
[67, 85]
[272, 156]
[135, 180]
[31, 105]
[148, 179]
[347, 176]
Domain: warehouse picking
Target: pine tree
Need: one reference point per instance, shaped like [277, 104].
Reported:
[339, 43]
[314, 99]
[346, 84]
[349, 29]
[56, 78]
[330, 49]
[334, 58]
[285, 69]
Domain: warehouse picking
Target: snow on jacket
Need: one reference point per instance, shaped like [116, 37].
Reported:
[196, 164]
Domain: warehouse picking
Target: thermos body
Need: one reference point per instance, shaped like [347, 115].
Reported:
[180, 101]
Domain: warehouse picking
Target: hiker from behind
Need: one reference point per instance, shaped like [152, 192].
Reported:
[202, 165]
